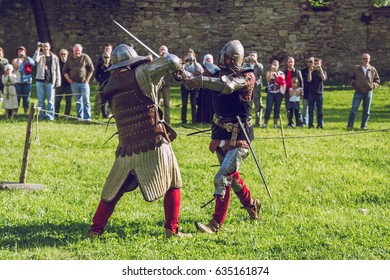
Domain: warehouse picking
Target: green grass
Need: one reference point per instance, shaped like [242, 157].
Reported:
[330, 197]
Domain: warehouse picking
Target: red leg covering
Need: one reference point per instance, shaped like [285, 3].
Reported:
[172, 209]
[221, 207]
[244, 194]
[104, 212]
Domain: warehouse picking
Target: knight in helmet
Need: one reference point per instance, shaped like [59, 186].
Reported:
[233, 97]
[144, 156]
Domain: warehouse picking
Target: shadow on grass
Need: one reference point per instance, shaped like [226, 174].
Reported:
[42, 235]
[57, 235]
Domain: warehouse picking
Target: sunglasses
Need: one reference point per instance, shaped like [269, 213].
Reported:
[106, 57]
[309, 61]
[63, 54]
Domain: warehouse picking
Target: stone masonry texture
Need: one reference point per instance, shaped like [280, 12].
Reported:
[275, 29]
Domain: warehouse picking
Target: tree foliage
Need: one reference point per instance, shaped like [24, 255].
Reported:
[325, 3]
[381, 3]
[319, 3]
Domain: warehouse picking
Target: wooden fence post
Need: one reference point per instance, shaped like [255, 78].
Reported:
[27, 144]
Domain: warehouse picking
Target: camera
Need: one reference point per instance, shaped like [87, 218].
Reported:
[39, 44]
[189, 59]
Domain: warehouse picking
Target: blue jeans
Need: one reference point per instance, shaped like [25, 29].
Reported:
[305, 111]
[315, 100]
[46, 91]
[275, 100]
[294, 109]
[23, 91]
[81, 92]
[357, 99]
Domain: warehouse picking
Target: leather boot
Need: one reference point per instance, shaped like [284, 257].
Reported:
[253, 209]
[211, 228]
[170, 234]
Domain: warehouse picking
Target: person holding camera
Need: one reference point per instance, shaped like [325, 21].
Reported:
[305, 102]
[194, 68]
[23, 65]
[252, 63]
[275, 91]
[47, 78]
[315, 79]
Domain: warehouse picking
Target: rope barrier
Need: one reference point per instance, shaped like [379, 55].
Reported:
[39, 109]
[206, 134]
[66, 94]
[328, 135]
[303, 136]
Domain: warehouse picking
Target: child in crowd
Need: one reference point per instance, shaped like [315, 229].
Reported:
[10, 101]
[295, 93]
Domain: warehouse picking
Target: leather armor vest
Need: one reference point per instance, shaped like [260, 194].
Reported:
[138, 119]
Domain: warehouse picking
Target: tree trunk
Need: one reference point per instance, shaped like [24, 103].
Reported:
[41, 21]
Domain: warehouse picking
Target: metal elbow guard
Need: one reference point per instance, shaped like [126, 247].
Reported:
[163, 65]
[229, 84]
[174, 62]
[232, 84]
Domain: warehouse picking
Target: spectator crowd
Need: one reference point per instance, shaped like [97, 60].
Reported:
[67, 76]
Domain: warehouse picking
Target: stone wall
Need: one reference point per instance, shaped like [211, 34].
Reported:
[276, 29]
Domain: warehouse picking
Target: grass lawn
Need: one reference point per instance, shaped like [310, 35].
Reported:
[330, 197]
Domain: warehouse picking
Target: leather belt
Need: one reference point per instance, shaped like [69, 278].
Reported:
[230, 126]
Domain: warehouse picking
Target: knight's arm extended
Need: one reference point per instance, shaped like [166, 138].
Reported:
[226, 84]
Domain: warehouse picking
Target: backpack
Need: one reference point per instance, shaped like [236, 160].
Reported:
[27, 68]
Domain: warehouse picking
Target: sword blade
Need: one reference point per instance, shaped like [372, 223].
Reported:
[254, 155]
[135, 38]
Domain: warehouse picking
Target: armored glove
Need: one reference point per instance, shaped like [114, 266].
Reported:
[193, 82]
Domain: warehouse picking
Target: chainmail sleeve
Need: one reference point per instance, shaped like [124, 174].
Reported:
[150, 76]
[145, 83]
